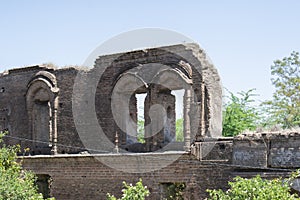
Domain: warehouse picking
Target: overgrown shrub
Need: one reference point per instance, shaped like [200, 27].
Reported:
[15, 183]
[256, 188]
[132, 192]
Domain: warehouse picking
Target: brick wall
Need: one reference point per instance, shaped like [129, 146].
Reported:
[14, 112]
[268, 149]
[86, 177]
[14, 86]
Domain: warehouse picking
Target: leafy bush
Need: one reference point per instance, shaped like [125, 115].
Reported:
[15, 183]
[174, 191]
[256, 188]
[239, 115]
[130, 192]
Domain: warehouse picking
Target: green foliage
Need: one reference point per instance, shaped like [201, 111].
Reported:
[179, 130]
[284, 108]
[239, 114]
[256, 188]
[141, 131]
[175, 191]
[130, 192]
[15, 183]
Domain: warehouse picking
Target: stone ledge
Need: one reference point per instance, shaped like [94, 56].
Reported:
[105, 155]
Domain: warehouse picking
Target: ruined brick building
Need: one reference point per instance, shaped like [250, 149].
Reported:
[81, 126]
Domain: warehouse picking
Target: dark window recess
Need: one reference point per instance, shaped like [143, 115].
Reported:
[222, 146]
[44, 184]
[295, 186]
[171, 191]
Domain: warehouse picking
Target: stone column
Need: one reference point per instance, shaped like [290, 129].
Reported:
[122, 118]
[148, 137]
[202, 118]
[54, 131]
[186, 119]
[131, 118]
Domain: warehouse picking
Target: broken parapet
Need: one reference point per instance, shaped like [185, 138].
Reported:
[213, 149]
[267, 149]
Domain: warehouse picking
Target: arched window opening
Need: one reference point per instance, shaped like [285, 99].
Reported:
[41, 125]
[140, 117]
[179, 115]
[42, 103]
[153, 113]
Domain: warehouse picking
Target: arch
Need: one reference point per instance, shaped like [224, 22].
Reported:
[42, 104]
[122, 97]
[173, 79]
[45, 75]
[160, 86]
[162, 55]
[128, 83]
[186, 63]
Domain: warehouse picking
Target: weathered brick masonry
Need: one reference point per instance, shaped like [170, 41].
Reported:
[51, 111]
[85, 177]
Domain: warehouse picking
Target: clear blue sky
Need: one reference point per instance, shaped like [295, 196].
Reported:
[242, 38]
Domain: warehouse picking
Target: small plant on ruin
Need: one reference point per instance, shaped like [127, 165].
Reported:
[15, 183]
[132, 192]
[257, 188]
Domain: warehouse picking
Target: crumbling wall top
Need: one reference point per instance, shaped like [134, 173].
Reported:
[32, 68]
[250, 135]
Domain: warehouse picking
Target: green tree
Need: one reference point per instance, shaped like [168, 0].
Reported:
[284, 108]
[132, 192]
[15, 183]
[141, 131]
[179, 130]
[239, 113]
[256, 188]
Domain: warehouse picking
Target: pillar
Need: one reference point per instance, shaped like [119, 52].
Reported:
[54, 130]
[187, 120]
